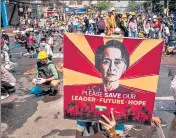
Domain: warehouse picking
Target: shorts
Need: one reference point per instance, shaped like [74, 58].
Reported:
[47, 83]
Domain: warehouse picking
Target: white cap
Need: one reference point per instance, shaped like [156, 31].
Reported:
[22, 32]
[102, 34]
[101, 15]
[112, 9]
[117, 30]
[154, 16]
[31, 29]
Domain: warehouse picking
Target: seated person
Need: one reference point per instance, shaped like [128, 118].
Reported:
[45, 47]
[171, 43]
[47, 76]
[5, 60]
[8, 83]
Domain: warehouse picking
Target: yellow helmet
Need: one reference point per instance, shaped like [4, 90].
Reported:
[42, 55]
[133, 13]
[102, 12]
[124, 16]
[141, 35]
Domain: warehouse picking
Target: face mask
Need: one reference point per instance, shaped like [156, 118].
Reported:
[154, 20]
[42, 44]
[43, 62]
[3, 33]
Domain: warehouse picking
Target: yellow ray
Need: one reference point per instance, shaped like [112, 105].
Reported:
[148, 83]
[111, 38]
[81, 43]
[142, 49]
[74, 78]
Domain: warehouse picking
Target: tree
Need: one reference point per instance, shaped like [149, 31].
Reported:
[103, 5]
[133, 5]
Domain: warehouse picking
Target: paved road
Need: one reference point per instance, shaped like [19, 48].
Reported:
[27, 116]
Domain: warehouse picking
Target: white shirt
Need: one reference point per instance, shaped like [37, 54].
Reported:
[46, 48]
[5, 57]
[51, 41]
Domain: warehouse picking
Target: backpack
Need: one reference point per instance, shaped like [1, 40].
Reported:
[101, 24]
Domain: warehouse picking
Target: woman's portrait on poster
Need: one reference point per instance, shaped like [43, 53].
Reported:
[112, 60]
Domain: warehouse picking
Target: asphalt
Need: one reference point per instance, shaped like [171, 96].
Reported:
[27, 116]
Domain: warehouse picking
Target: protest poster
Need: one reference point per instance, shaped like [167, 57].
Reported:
[108, 73]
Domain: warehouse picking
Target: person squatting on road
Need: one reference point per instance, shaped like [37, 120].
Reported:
[5, 58]
[47, 76]
[8, 83]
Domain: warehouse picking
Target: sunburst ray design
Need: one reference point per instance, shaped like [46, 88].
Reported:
[81, 43]
[148, 83]
[143, 49]
[76, 78]
[145, 80]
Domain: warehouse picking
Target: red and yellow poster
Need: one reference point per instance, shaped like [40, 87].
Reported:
[108, 73]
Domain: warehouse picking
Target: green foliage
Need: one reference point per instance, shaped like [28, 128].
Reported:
[105, 5]
[133, 5]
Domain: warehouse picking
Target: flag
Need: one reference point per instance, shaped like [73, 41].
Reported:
[100, 108]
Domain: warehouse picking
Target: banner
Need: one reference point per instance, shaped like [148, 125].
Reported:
[108, 73]
[69, 10]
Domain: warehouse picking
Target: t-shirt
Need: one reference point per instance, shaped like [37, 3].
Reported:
[7, 76]
[91, 128]
[46, 48]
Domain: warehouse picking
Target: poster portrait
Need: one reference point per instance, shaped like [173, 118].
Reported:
[104, 74]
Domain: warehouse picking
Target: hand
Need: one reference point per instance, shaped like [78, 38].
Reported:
[156, 121]
[109, 125]
[40, 81]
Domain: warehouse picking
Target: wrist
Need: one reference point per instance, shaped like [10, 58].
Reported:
[114, 135]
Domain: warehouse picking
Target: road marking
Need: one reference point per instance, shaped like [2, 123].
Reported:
[164, 98]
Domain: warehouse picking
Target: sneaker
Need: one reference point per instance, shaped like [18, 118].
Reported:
[175, 113]
[4, 96]
[12, 90]
[42, 93]
[137, 128]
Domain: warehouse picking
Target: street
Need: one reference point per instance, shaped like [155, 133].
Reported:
[27, 116]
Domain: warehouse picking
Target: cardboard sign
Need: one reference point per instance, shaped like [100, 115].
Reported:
[104, 73]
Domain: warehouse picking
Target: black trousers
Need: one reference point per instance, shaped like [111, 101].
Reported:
[6, 87]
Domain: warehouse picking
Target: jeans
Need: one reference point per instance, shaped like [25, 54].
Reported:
[132, 34]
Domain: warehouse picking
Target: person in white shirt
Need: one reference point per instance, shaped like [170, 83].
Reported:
[5, 60]
[51, 42]
[45, 47]
[147, 26]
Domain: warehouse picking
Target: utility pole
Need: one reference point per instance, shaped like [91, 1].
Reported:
[167, 10]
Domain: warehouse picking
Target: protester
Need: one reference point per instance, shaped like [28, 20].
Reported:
[101, 25]
[47, 76]
[51, 42]
[8, 83]
[132, 28]
[106, 128]
[44, 46]
[5, 59]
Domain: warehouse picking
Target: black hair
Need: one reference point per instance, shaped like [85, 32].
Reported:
[111, 44]
[43, 39]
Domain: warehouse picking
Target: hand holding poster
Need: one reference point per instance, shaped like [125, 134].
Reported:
[104, 74]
